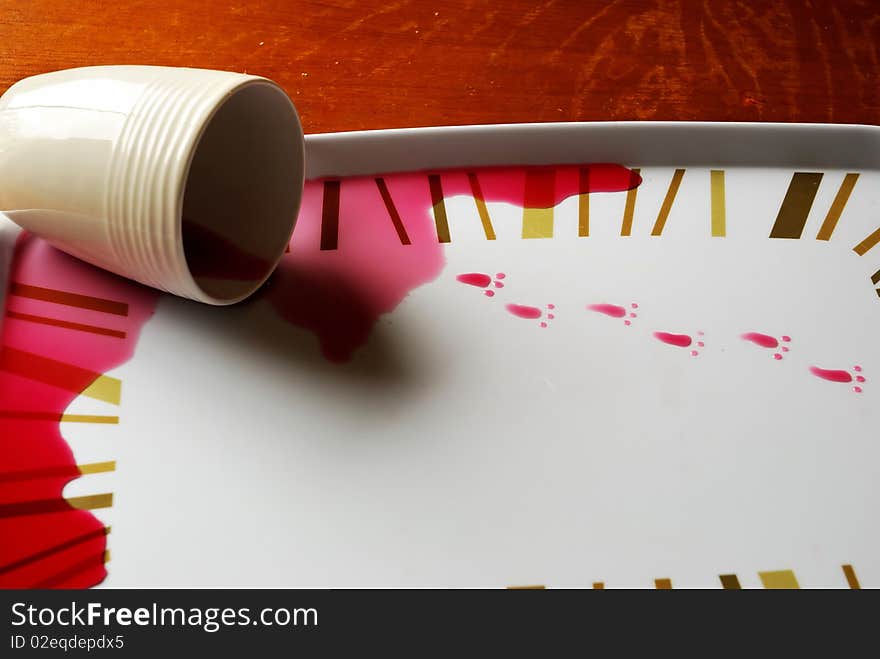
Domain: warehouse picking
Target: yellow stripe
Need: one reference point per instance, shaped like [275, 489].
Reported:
[92, 501]
[88, 418]
[663, 584]
[667, 202]
[719, 204]
[840, 199]
[598, 585]
[537, 223]
[584, 203]
[106, 389]
[629, 209]
[480, 201]
[729, 582]
[537, 587]
[106, 555]
[867, 243]
[779, 579]
[851, 577]
[97, 467]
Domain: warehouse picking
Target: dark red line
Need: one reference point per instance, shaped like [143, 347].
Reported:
[30, 416]
[330, 216]
[37, 507]
[70, 299]
[48, 371]
[36, 474]
[540, 187]
[94, 329]
[392, 211]
[72, 571]
[45, 553]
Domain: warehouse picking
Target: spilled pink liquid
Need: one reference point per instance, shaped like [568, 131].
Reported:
[523, 311]
[763, 340]
[42, 369]
[475, 279]
[489, 293]
[679, 340]
[339, 294]
[832, 375]
[612, 310]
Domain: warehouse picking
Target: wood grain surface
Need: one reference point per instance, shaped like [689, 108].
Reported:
[381, 64]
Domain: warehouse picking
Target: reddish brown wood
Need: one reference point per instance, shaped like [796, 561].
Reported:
[374, 64]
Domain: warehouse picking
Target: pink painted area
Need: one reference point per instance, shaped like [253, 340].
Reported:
[627, 323]
[763, 340]
[832, 375]
[339, 294]
[543, 324]
[489, 293]
[500, 275]
[679, 340]
[784, 348]
[551, 306]
[857, 368]
[523, 311]
[777, 356]
[550, 316]
[700, 344]
[475, 279]
[694, 353]
[612, 310]
[860, 378]
[858, 390]
[786, 338]
[36, 462]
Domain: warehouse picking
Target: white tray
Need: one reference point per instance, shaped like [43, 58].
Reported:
[462, 445]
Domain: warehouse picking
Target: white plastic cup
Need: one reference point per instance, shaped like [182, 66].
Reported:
[186, 180]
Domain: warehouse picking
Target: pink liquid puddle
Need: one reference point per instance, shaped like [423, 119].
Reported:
[763, 340]
[365, 270]
[45, 542]
[612, 310]
[523, 311]
[832, 375]
[678, 340]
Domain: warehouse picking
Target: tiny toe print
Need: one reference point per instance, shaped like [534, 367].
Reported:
[482, 280]
[768, 342]
[615, 311]
[533, 313]
[839, 375]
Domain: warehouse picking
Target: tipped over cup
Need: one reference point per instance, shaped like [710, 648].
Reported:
[186, 180]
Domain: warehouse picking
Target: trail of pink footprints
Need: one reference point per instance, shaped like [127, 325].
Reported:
[779, 346]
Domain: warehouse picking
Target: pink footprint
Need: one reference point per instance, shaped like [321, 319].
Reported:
[835, 375]
[615, 311]
[679, 341]
[482, 280]
[767, 341]
[532, 313]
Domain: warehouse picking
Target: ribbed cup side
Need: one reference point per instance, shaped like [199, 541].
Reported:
[146, 177]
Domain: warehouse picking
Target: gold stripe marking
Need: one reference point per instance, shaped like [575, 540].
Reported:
[719, 203]
[668, 201]
[535, 587]
[840, 199]
[105, 388]
[584, 203]
[779, 580]
[97, 467]
[875, 278]
[663, 584]
[92, 501]
[729, 582]
[629, 209]
[862, 248]
[480, 201]
[851, 577]
[440, 219]
[598, 585]
[89, 418]
[795, 209]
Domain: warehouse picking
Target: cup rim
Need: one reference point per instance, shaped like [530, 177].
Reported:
[197, 292]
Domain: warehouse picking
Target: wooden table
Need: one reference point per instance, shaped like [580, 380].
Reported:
[352, 64]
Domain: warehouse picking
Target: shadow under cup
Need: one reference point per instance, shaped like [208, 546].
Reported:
[242, 192]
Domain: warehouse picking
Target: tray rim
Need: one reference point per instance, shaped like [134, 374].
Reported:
[634, 143]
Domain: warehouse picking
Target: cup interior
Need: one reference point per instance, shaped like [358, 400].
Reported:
[242, 192]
